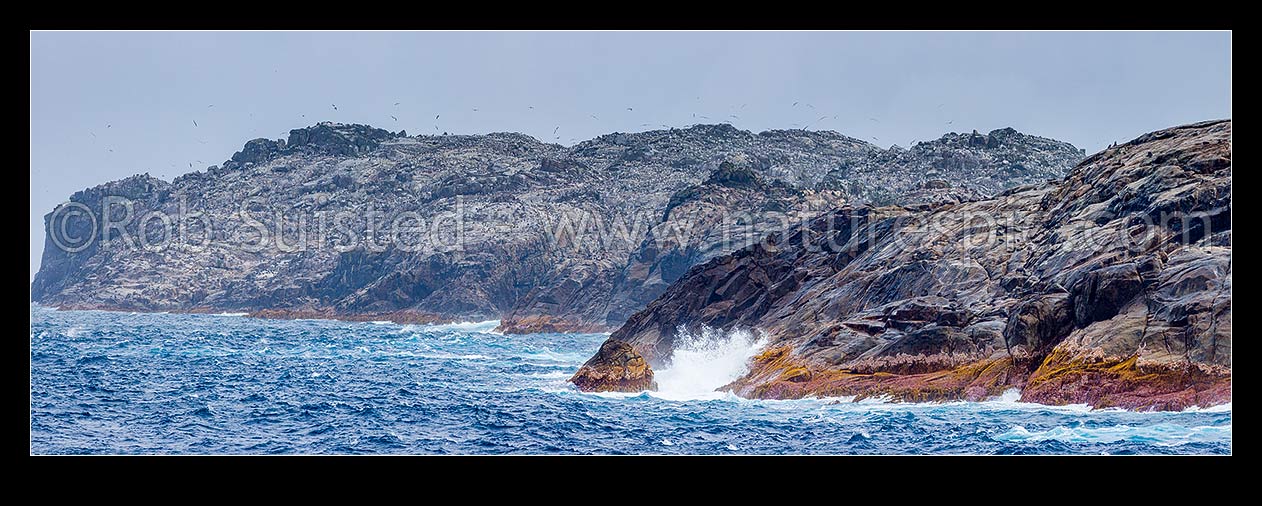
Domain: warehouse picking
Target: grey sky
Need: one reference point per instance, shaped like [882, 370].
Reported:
[138, 93]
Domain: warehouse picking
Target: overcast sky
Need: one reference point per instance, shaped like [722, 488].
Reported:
[106, 105]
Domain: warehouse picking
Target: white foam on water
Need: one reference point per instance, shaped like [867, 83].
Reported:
[452, 356]
[1217, 408]
[546, 354]
[703, 362]
[479, 327]
[554, 374]
[75, 331]
[1162, 434]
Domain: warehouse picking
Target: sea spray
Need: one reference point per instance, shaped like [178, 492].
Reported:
[706, 360]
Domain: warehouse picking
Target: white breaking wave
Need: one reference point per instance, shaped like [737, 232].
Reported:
[1011, 399]
[1217, 408]
[704, 362]
[478, 327]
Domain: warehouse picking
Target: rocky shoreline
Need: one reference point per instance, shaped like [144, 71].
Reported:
[1110, 288]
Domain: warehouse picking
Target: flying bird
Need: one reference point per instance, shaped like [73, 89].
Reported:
[795, 104]
[554, 130]
[530, 107]
[629, 109]
[475, 109]
[874, 119]
[334, 106]
[194, 122]
[209, 106]
[394, 118]
[949, 122]
[743, 106]
[874, 138]
[107, 126]
[93, 134]
[436, 116]
[594, 117]
[811, 106]
[734, 116]
[396, 104]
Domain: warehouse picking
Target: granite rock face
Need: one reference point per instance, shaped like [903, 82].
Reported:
[350, 221]
[1111, 288]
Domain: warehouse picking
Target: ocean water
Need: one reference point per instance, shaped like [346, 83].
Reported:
[120, 383]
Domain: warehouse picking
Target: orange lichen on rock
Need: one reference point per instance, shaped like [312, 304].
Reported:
[1126, 382]
[776, 374]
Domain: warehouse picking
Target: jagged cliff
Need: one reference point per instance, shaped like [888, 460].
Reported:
[350, 221]
[1111, 288]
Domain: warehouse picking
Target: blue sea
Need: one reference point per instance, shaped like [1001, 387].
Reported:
[136, 383]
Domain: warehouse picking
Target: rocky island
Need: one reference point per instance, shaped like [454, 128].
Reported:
[1111, 287]
[358, 223]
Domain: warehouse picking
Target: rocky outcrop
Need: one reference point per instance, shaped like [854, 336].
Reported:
[350, 221]
[618, 369]
[1111, 288]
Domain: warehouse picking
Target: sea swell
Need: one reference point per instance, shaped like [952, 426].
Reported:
[143, 383]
